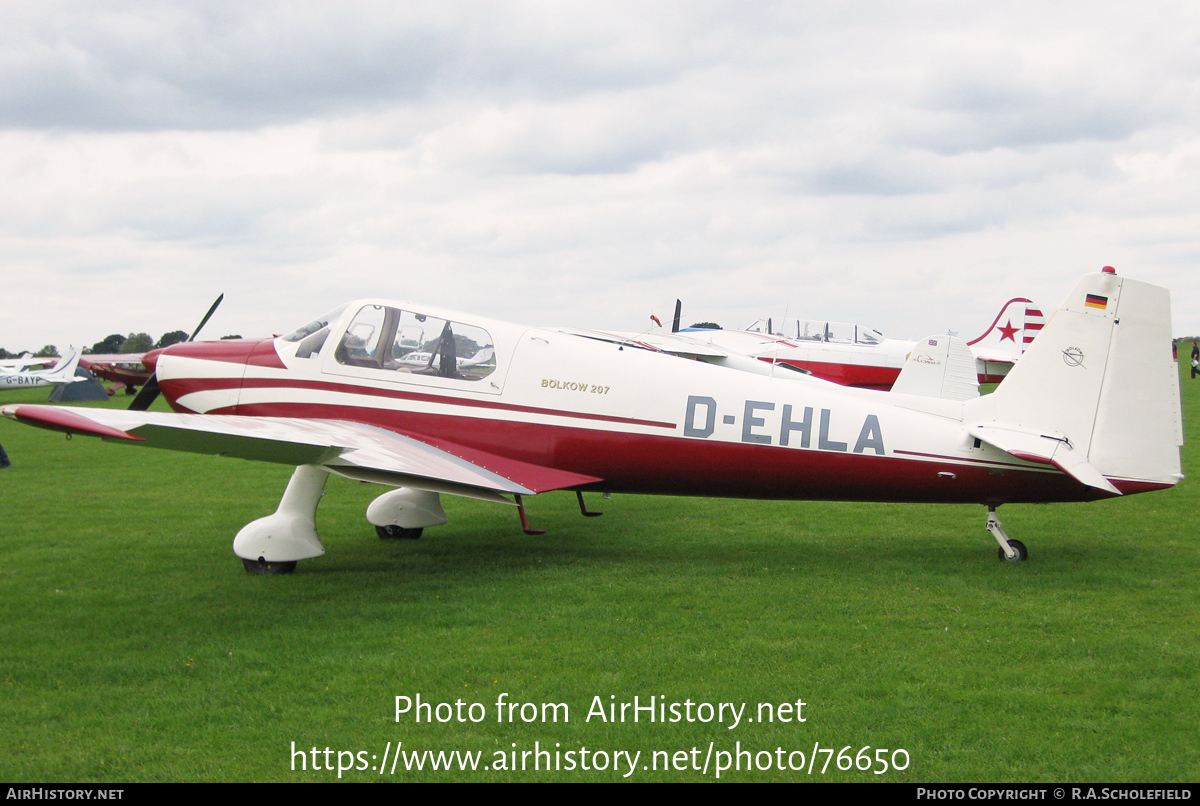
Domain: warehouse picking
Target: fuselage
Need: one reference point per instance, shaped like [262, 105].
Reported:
[23, 380]
[642, 421]
[866, 362]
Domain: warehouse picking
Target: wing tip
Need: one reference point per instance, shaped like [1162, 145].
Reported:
[64, 419]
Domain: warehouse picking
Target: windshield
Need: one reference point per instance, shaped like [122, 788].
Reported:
[317, 324]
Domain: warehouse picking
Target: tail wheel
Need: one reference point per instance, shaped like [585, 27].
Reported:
[1019, 548]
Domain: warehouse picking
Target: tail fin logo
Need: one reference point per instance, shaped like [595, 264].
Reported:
[1020, 316]
[1073, 357]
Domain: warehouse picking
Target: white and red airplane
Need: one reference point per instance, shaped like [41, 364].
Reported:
[1091, 411]
[854, 355]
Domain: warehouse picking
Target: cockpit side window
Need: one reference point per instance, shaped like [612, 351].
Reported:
[839, 332]
[808, 330]
[360, 345]
[410, 342]
[426, 345]
[868, 335]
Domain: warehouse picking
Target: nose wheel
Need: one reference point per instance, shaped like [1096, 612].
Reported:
[1011, 550]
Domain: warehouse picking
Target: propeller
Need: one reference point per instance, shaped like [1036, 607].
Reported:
[150, 391]
[207, 316]
[678, 311]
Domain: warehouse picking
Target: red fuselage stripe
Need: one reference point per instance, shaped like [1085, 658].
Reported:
[178, 387]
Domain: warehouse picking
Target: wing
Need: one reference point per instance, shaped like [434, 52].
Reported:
[993, 356]
[673, 343]
[353, 450]
[111, 358]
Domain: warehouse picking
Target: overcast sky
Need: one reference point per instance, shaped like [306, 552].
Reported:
[909, 166]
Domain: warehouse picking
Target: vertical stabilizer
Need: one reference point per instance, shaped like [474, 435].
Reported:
[1012, 331]
[1100, 380]
[939, 366]
[64, 370]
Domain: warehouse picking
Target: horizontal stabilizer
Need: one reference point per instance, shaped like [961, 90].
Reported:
[1047, 449]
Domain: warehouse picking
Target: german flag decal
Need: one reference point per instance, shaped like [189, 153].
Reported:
[1096, 301]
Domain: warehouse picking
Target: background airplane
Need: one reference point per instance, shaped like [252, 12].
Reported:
[855, 355]
[1091, 411]
[62, 372]
[26, 360]
[124, 370]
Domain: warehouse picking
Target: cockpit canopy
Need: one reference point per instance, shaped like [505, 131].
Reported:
[811, 330]
[387, 338]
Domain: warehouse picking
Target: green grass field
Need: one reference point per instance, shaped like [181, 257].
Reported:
[133, 646]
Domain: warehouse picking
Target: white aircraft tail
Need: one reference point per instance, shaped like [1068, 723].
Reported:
[1097, 394]
[939, 366]
[1012, 331]
[64, 370]
[481, 357]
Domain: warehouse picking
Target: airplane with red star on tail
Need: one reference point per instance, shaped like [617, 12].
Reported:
[1090, 412]
[854, 355]
[1000, 346]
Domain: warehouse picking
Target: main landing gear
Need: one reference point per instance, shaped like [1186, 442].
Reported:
[1013, 551]
[261, 566]
[392, 532]
[273, 544]
[403, 513]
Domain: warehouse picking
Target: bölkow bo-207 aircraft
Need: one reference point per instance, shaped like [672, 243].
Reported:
[1090, 411]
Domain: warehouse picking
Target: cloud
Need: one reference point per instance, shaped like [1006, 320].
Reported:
[583, 164]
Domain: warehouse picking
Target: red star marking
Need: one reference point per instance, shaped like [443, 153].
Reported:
[1008, 332]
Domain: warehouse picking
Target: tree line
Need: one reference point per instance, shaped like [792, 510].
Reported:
[115, 343]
